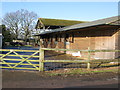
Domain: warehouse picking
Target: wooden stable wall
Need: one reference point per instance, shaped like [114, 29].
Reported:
[105, 43]
[82, 43]
[117, 44]
[0, 40]
[104, 37]
[99, 39]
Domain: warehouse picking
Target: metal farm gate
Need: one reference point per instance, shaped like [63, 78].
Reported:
[19, 59]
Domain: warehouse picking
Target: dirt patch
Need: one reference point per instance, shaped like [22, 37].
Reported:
[32, 79]
[52, 55]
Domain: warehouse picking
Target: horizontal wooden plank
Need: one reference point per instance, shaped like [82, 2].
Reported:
[104, 50]
[19, 50]
[20, 64]
[60, 50]
[82, 61]
[19, 60]
[18, 55]
[105, 60]
[68, 61]
[56, 49]
[19, 68]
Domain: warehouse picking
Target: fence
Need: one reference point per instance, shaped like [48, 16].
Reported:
[88, 61]
[35, 60]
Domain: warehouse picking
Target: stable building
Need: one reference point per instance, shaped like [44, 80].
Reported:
[103, 34]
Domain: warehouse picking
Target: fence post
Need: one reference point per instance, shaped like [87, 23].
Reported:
[41, 59]
[88, 63]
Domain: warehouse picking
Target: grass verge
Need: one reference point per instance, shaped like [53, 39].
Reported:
[80, 71]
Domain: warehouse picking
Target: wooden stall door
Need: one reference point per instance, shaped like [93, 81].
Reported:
[105, 43]
[117, 44]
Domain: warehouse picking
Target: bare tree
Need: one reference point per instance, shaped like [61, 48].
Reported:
[27, 23]
[11, 20]
[21, 23]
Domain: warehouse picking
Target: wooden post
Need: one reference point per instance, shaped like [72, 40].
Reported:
[41, 60]
[89, 53]
[64, 40]
[41, 57]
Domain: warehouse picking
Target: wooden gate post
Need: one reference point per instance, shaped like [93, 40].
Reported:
[41, 60]
[88, 63]
[41, 57]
